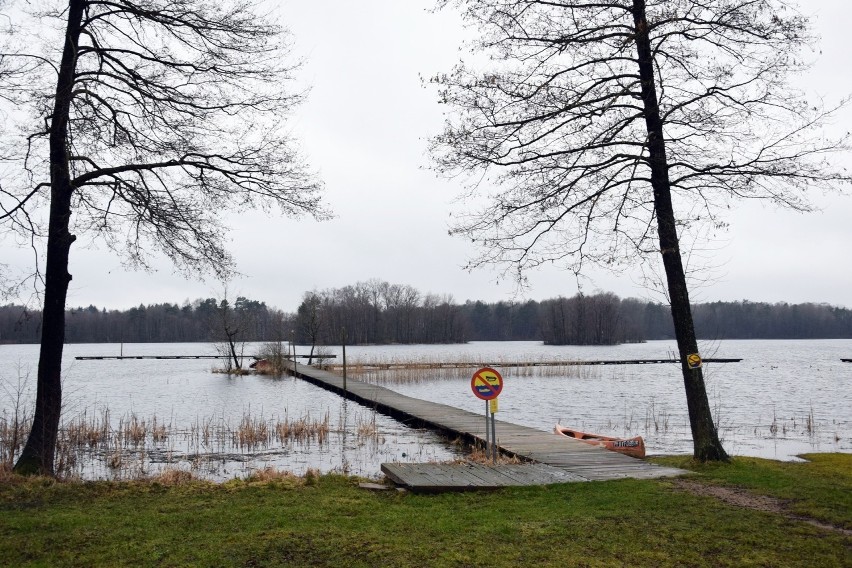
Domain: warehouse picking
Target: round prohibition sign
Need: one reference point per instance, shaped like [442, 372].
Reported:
[486, 383]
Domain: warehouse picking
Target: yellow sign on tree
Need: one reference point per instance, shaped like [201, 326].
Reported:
[693, 360]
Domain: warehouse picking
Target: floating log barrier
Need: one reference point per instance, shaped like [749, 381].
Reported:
[463, 364]
[103, 357]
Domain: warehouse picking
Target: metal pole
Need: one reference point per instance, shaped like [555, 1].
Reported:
[493, 439]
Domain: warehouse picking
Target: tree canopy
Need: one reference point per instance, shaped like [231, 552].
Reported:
[176, 117]
[140, 124]
[556, 121]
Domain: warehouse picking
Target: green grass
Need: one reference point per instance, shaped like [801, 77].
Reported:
[334, 523]
[820, 488]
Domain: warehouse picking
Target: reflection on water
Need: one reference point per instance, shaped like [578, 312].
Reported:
[785, 398]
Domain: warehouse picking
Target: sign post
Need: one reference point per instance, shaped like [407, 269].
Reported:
[492, 406]
[487, 384]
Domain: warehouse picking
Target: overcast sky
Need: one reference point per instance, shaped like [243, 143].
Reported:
[364, 128]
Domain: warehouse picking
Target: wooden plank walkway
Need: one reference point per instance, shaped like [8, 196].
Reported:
[529, 444]
[436, 477]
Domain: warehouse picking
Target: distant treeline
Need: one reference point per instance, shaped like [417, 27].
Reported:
[201, 320]
[376, 312]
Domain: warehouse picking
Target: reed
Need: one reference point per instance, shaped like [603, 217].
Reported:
[115, 458]
[134, 431]
[159, 432]
[14, 431]
[269, 473]
[366, 428]
[14, 426]
[428, 368]
[172, 477]
[810, 424]
[656, 420]
[477, 453]
[312, 476]
[252, 433]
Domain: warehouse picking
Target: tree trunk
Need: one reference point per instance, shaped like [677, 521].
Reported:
[232, 346]
[38, 453]
[705, 439]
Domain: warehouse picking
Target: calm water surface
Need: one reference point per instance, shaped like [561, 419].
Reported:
[783, 399]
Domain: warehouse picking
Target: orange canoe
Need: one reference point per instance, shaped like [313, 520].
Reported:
[633, 447]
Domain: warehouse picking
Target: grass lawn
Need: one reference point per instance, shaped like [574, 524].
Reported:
[329, 521]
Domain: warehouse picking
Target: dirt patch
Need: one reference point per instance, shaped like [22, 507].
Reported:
[742, 498]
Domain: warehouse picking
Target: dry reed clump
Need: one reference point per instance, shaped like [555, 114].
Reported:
[428, 368]
[13, 434]
[303, 429]
[88, 431]
[366, 428]
[114, 460]
[270, 474]
[251, 433]
[172, 477]
[477, 453]
[312, 476]
[134, 430]
[159, 432]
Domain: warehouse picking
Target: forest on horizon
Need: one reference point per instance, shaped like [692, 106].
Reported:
[377, 312]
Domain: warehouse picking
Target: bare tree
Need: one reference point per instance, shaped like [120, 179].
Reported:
[608, 128]
[230, 326]
[150, 121]
[309, 319]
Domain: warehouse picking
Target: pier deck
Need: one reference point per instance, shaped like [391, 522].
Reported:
[583, 461]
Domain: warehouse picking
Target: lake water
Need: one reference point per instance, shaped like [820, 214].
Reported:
[785, 398]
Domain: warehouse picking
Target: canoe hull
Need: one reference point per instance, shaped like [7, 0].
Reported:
[633, 447]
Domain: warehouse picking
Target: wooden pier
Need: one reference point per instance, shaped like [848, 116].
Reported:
[582, 462]
[437, 477]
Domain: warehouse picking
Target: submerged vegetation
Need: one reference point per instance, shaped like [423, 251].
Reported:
[96, 445]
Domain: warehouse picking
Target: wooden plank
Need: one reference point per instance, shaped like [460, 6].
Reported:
[469, 476]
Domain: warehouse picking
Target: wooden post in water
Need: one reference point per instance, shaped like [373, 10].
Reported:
[293, 345]
[343, 342]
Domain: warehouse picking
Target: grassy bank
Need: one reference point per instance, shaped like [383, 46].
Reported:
[329, 521]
